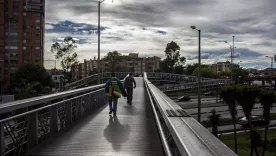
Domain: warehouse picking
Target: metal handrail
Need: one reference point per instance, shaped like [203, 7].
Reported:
[160, 129]
[45, 107]
[10, 106]
[190, 137]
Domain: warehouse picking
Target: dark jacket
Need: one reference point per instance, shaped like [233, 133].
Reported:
[129, 81]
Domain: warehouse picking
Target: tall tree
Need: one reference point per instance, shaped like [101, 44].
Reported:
[65, 52]
[190, 69]
[246, 96]
[267, 99]
[114, 60]
[228, 93]
[205, 72]
[173, 59]
[31, 75]
[240, 75]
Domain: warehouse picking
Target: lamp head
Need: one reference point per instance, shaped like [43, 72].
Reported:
[193, 27]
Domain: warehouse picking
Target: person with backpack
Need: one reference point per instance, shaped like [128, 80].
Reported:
[129, 84]
[114, 89]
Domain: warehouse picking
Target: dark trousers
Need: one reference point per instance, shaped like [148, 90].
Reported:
[112, 101]
[129, 94]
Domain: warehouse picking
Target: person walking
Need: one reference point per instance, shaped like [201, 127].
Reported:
[128, 84]
[114, 89]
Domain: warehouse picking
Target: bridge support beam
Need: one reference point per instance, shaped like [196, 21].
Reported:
[263, 83]
[32, 129]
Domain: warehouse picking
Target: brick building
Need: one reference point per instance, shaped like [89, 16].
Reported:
[21, 35]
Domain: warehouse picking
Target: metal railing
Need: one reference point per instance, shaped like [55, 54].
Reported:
[181, 134]
[29, 122]
[93, 78]
[193, 85]
[173, 78]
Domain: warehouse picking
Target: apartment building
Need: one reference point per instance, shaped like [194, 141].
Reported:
[130, 63]
[223, 66]
[21, 35]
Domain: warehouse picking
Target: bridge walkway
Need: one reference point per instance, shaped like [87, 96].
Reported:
[132, 132]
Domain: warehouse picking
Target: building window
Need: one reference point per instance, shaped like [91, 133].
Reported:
[11, 47]
[37, 48]
[11, 33]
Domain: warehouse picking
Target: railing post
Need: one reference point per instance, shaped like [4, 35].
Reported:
[69, 113]
[2, 132]
[54, 119]
[78, 106]
[32, 129]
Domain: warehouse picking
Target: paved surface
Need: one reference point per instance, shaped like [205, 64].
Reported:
[223, 111]
[133, 132]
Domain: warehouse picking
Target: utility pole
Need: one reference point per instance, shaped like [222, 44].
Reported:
[99, 34]
[198, 76]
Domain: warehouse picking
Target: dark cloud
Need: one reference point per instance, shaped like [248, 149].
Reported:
[252, 21]
[161, 32]
[74, 28]
[267, 43]
[203, 56]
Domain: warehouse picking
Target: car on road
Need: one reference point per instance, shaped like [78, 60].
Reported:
[256, 121]
[184, 98]
[210, 93]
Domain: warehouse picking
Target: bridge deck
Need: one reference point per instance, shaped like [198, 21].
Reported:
[132, 132]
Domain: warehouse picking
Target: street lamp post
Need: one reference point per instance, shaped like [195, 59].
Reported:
[271, 72]
[198, 75]
[99, 38]
[231, 51]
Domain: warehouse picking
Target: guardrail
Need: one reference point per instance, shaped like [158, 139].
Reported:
[192, 85]
[91, 78]
[26, 123]
[174, 78]
[183, 133]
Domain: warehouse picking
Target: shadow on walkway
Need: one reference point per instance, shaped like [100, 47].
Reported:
[116, 133]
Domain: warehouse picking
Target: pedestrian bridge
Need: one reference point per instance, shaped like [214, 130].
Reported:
[76, 122]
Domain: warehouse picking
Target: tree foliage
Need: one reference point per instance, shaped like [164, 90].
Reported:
[26, 91]
[205, 72]
[114, 60]
[224, 75]
[65, 52]
[173, 61]
[267, 99]
[31, 76]
[246, 96]
[239, 75]
[228, 93]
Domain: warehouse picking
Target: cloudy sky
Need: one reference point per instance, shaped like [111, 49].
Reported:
[146, 26]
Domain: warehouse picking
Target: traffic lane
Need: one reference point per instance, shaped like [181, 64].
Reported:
[218, 109]
[238, 127]
[226, 114]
